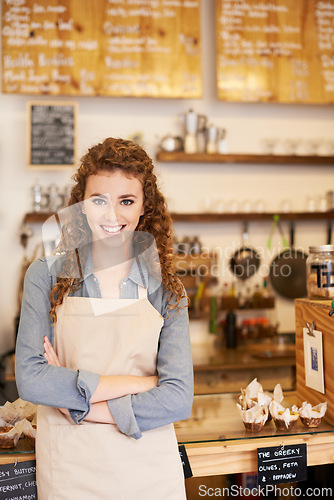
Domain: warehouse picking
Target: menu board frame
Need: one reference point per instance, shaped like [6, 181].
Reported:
[147, 48]
[278, 52]
[69, 131]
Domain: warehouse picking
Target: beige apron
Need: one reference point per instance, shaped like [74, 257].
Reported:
[93, 461]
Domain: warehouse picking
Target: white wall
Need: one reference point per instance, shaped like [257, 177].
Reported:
[185, 185]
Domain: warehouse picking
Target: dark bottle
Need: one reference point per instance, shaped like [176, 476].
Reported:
[195, 246]
[230, 330]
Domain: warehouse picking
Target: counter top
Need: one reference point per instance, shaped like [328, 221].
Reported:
[257, 355]
[217, 442]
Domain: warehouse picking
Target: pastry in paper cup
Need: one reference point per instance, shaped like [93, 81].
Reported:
[16, 411]
[9, 437]
[284, 418]
[254, 418]
[252, 395]
[312, 416]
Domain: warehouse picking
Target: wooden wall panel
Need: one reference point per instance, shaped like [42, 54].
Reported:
[308, 311]
[102, 47]
[277, 51]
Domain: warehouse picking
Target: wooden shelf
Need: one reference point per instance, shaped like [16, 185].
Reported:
[181, 157]
[36, 217]
[39, 217]
[251, 216]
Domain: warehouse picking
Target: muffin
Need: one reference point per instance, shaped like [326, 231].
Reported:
[312, 416]
[254, 418]
[286, 420]
[7, 438]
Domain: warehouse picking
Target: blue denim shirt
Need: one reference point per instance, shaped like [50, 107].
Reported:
[61, 387]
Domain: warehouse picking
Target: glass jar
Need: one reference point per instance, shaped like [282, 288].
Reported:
[320, 272]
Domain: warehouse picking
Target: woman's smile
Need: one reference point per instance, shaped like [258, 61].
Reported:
[112, 229]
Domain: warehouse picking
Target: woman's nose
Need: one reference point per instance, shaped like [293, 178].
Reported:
[111, 213]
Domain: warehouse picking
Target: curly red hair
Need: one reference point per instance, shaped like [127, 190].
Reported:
[110, 155]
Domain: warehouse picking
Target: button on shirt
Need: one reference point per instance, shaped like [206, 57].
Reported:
[61, 387]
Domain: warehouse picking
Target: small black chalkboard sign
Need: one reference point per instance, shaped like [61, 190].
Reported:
[185, 462]
[18, 480]
[51, 134]
[281, 464]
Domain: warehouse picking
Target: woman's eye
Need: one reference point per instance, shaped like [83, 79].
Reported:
[127, 202]
[98, 201]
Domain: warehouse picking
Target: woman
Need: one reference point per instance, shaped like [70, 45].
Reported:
[121, 371]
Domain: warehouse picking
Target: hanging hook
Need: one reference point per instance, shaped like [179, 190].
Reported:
[311, 328]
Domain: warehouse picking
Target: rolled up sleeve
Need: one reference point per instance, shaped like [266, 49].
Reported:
[122, 412]
[172, 399]
[87, 382]
[37, 381]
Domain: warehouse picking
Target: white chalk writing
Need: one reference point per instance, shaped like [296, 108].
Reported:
[44, 46]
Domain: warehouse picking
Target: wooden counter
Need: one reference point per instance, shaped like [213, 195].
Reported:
[217, 443]
[220, 370]
[13, 457]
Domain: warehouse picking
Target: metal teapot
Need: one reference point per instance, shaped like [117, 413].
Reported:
[171, 143]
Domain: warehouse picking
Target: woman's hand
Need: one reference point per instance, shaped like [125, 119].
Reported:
[50, 354]
[148, 383]
[117, 386]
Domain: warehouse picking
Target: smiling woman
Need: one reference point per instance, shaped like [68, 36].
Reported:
[113, 370]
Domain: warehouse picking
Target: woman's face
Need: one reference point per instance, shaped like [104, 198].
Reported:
[113, 204]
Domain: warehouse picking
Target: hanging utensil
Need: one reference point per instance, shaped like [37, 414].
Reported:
[246, 260]
[288, 269]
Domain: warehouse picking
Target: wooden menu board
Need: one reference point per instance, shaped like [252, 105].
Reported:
[102, 47]
[277, 51]
[51, 134]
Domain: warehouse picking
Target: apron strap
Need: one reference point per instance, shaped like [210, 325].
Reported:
[142, 292]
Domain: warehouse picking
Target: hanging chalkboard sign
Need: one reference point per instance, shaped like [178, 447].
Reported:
[18, 480]
[282, 464]
[51, 134]
[185, 462]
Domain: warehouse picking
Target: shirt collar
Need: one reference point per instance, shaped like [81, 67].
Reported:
[86, 262]
[138, 272]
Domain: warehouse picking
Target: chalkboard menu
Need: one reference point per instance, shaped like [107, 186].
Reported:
[277, 51]
[111, 48]
[282, 464]
[18, 481]
[51, 134]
